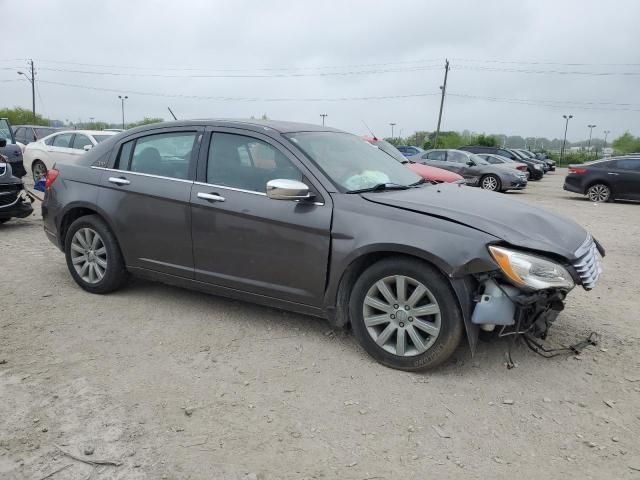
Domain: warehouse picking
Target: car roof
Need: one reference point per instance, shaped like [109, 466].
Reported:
[37, 126]
[87, 132]
[252, 124]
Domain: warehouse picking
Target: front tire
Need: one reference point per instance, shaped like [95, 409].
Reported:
[405, 315]
[599, 192]
[490, 182]
[93, 255]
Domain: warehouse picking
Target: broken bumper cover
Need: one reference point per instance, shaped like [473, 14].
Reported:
[19, 208]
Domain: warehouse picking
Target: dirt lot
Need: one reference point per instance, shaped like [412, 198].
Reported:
[181, 385]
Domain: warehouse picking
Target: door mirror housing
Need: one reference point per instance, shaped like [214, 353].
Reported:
[471, 163]
[3, 142]
[285, 189]
[86, 148]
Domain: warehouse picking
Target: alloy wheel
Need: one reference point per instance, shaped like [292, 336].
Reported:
[401, 315]
[490, 183]
[89, 255]
[599, 193]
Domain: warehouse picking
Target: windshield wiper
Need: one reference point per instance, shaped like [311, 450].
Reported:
[381, 187]
[419, 182]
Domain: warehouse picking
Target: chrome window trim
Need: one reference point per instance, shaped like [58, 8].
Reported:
[233, 189]
[141, 174]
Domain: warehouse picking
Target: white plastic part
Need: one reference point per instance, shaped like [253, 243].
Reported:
[494, 307]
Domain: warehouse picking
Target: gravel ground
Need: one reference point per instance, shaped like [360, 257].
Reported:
[180, 385]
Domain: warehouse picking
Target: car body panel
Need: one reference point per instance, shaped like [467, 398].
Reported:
[535, 173]
[624, 183]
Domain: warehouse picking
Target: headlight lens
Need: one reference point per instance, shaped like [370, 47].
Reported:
[531, 271]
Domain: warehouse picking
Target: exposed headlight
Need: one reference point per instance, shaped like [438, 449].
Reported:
[531, 271]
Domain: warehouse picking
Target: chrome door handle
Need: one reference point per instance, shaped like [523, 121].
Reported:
[119, 180]
[611, 173]
[212, 197]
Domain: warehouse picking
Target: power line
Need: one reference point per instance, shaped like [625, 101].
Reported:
[516, 62]
[546, 103]
[555, 72]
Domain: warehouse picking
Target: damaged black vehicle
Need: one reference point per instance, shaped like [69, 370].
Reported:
[14, 202]
[314, 220]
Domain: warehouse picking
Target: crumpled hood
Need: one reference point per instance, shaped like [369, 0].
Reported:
[517, 223]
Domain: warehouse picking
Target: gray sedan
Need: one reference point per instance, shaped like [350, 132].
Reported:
[476, 171]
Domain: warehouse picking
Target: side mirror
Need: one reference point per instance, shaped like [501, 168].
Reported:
[86, 148]
[3, 142]
[284, 189]
[471, 163]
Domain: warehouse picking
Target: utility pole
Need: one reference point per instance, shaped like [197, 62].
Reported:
[590, 127]
[444, 91]
[606, 134]
[323, 115]
[122, 99]
[392, 125]
[566, 126]
[32, 80]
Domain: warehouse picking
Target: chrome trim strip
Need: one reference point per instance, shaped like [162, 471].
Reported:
[127, 172]
[229, 188]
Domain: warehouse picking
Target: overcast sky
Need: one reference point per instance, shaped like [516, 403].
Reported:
[187, 47]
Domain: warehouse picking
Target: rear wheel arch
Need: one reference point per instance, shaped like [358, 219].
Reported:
[596, 182]
[71, 215]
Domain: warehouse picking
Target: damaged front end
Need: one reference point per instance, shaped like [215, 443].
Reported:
[525, 296]
[14, 202]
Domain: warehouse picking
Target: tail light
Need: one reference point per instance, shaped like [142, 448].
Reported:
[577, 170]
[52, 174]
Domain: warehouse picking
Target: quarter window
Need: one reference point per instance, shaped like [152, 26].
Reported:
[457, 157]
[80, 141]
[247, 163]
[63, 140]
[164, 154]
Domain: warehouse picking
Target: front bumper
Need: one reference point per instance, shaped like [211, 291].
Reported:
[518, 184]
[20, 208]
[572, 185]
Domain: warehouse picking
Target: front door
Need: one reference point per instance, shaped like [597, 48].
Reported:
[244, 240]
[146, 195]
[627, 178]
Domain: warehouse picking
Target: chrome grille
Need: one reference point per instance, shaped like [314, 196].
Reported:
[587, 264]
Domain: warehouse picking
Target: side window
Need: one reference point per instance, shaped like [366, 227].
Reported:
[163, 154]
[63, 140]
[79, 141]
[629, 164]
[506, 153]
[491, 159]
[436, 155]
[457, 157]
[43, 132]
[49, 141]
[247, 163]
[19, 135]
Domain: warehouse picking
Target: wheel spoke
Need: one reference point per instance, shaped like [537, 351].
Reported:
[99, 271]
[92, 277]
[400, 342]
[377, 304]
[79, 259]
[386, 333]
[426, 327]
[416, 339]
[376, 320]
[77, 248]
[386, 293]
[95, 241]
[79, 237]
[417, 294]
[88, 237]
[84, 269]
[101, 262]
[401, 288]
[430, 309]
[101, 251]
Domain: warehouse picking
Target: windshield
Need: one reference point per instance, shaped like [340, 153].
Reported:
[101, 138]
[5, 131]
[350, 162]
[389, 149]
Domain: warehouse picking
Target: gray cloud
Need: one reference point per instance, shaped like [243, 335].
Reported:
[253, 35]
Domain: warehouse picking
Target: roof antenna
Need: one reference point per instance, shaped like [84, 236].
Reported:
[372, 134]
[172, 114]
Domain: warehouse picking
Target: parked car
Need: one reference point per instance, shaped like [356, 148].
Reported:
[535, 169]
[313, 220]
[11, 150]
[476, 171]
[431, 174]
[507, 162]
[67, 145]
[607, 179]
[13, 202]
[25, 134]
[522, 156]
[550, 163]
[409, 150]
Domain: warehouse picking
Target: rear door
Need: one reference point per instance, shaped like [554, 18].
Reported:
[627, 178]
[145, 194]
[60, 148]
[244, 240]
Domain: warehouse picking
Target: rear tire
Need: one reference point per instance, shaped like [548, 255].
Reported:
[93, 256]
[599, 192]
[395, 334]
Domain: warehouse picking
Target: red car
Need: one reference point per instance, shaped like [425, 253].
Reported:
[432, 174]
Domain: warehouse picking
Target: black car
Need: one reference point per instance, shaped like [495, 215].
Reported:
[607, 179]
[314, 220]
[26, 134]
[10, 150]
[13, 203]
[536, 171]
[550, 163]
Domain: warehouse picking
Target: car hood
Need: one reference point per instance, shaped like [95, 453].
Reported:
[517, 223]
[433, 174]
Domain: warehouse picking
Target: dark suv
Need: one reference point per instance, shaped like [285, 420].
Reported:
[535, 169]
[314, 220]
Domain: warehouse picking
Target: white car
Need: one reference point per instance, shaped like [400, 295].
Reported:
[62, 146]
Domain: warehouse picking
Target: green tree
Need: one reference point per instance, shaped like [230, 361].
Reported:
[486, 140]
[145, 121]
[626, 143]
[22, 116]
